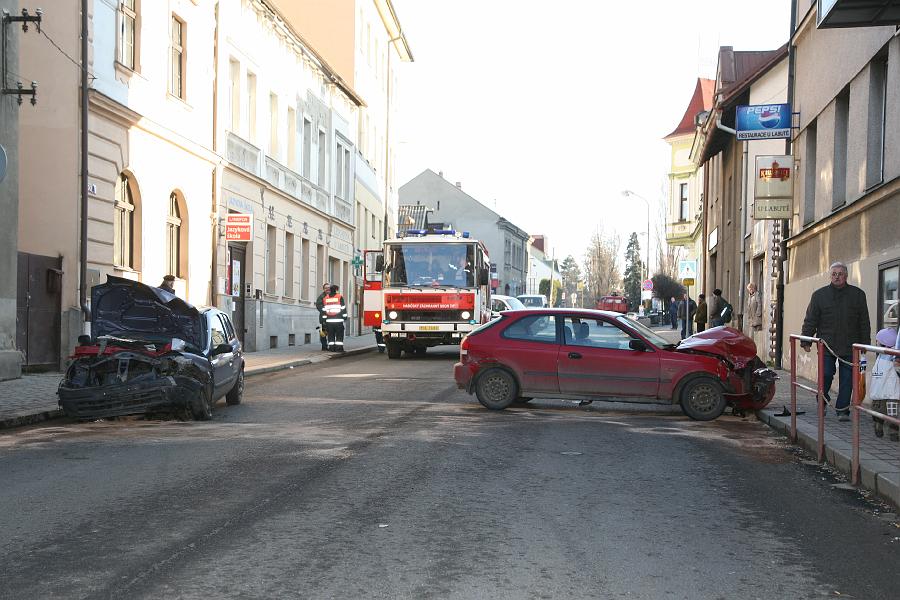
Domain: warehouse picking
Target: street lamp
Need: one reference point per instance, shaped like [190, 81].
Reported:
[628, 193]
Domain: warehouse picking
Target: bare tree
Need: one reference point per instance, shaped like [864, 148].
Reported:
[666, 256]
[601, 269]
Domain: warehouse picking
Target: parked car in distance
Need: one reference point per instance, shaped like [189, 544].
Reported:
[151, 352]
[500, 303]
[589, 355]
[533, 300]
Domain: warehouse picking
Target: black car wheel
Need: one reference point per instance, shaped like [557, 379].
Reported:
[236, 393]
[702, 399]
[201, 407]
[421, 350]
[496, 389]
[394, 350]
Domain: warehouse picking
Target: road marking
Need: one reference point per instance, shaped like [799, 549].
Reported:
[351, 375]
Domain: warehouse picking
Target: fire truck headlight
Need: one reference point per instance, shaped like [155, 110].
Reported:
[392, 314]
[466, 314]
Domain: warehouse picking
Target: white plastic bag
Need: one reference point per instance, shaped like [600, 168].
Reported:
[884, 384]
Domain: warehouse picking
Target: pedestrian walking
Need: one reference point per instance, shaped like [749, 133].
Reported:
[335, 314]
[883, 388]
[686, 310]
[320, 306]
[379, 338]
[673, 313]
[700, 317]
[720, 309]
[168, 284]
[754, 310]
[838, 314]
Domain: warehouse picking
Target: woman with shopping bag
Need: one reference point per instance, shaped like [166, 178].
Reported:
[883, 388]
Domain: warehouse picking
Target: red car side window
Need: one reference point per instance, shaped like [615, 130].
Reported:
[537, 328]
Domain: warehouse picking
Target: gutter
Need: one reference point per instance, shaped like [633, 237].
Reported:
[82, 284]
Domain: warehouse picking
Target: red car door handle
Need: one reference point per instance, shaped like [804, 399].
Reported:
[574, 355]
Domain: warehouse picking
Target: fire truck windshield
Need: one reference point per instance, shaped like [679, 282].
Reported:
[430, 265]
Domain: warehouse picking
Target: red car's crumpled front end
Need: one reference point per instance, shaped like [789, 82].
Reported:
[752, 383]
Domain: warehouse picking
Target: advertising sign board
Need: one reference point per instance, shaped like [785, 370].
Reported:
[763, 122]
[239, 227]
[774, 188]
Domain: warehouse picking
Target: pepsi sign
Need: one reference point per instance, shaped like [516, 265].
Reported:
[763, 122]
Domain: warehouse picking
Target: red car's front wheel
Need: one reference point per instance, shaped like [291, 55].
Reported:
[702, 399]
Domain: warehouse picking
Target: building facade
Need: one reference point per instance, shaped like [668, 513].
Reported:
[541, 264]
[846, 204]
[683, 214]
[507, 244]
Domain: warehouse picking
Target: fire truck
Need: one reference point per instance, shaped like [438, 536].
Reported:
[428, 287]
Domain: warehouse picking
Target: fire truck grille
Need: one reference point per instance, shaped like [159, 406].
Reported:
[429, 316]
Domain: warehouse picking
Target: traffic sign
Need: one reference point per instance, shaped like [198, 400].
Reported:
[687, 269]
[688, 281]
[647, 285]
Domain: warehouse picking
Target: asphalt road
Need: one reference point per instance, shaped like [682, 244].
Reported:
[369, 478]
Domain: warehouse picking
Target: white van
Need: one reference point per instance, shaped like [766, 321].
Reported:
[533, 300]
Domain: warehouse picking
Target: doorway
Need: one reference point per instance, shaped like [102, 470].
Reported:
[237, 256]
[38, 306]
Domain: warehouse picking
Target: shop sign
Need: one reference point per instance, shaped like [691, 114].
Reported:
[774, 189]
[238, 227]
[763, 122]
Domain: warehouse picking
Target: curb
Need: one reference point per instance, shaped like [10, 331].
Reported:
[877, 476]
[31, 419]
[302, 362]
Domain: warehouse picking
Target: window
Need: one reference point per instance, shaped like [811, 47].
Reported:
[888, 307]
[292, 138]
[323, 161]
[595, 333]
[877, 99]
[123, 225]
[128, 33]
[173, 237]
[304, 269]
[271, 258]
[375, 228]
[251, 107]
[176, 70]
[273, 126]
[339, 170]
[683, 202]
[289, 265]
[234, 93]
[541, 328]
[809, 175]
[841, 124]
[217, 334]
[307, 148]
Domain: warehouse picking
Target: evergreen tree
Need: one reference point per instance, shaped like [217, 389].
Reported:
[571, 274]
[634, 267]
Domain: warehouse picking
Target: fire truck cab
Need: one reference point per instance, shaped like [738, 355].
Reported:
[434, 289]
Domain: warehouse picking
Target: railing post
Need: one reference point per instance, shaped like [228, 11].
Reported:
[820, 397]
[793, 390]
[854, 402]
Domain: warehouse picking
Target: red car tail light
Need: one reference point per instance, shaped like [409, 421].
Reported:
[464, 349]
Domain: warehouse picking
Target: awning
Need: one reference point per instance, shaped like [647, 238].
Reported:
[857, 13]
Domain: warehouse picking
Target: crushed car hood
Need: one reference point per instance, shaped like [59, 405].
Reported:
[129, 309]
[723, 341]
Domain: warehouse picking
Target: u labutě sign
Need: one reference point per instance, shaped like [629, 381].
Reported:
[238, 227]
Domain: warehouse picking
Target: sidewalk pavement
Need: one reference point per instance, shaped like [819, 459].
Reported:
[879, 458]
[33, 397]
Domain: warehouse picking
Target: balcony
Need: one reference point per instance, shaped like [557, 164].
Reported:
[242, 154]
[682, 232]
[343, 210]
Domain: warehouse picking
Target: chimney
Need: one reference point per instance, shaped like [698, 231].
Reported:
[459, 184]
[441, 174]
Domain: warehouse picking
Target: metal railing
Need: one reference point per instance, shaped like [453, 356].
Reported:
[856, 402]
[818, 390]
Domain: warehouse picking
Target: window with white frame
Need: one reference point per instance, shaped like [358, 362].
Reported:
[173, 237]
[292, 138]
[273, 125]
[289, 265]
[323, 161]
[878, 75]
[683, 202]
[251, 107]
[128, 33]
[176, 58]
[271, 258]
[123, 224]
[234, 93]
[307, 148]
[338, 170]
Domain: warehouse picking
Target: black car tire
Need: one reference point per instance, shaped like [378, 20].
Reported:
[236, 393]
[702, 399]
[394, 350]
[421, 350]
[496, 389]
[201, 407]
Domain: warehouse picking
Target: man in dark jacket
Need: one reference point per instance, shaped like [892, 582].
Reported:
[838, 314]
[700, 318]
[673, 312]
[320, 304]
[686, 309]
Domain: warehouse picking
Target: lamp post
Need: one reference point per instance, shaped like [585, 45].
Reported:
[628, 193]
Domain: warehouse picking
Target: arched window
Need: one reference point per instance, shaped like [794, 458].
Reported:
[173, 237]
[123, 224]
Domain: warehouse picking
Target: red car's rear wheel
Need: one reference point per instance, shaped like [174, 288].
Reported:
[496, 389]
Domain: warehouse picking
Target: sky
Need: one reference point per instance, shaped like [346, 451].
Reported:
[547, 111]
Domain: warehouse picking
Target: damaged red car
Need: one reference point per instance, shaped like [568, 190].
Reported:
[593, 355]
[151, 352]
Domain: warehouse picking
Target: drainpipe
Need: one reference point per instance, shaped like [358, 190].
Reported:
[82, 285]
[215, 146]
[743, 277]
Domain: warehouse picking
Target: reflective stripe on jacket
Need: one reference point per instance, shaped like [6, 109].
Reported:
[334, 309]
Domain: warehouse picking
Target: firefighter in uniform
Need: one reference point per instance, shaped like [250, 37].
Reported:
[379, 338]
[335, 312]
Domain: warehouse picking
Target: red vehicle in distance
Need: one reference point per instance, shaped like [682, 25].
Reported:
[583, 354]
[613, 303]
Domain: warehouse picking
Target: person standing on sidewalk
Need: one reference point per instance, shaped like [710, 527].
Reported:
[673, 313]
[838, 314]
[701, 316]
[320, 306]
[716, 306]
[884, 383]
[168, 284]
[686, 309]
[335, 314]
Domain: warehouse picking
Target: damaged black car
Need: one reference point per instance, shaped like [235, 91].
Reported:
[150, 352]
